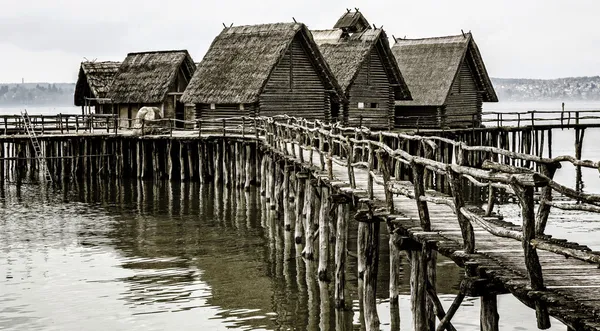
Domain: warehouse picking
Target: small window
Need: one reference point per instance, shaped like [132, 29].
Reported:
[241, 106]
[212, 106]
[361, 105]
[374, 105]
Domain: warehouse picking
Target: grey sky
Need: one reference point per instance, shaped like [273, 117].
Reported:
[45, 40]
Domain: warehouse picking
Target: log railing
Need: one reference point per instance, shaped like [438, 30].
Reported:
[389, 157]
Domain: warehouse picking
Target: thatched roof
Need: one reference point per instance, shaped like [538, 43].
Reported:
[352, 21]
[95, 76]
[430, 66]
[345, 53]
[147, 76]
[240, 60]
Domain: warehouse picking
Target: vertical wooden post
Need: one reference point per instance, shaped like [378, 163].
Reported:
[249, 168]
[489, 313]
[370, 251]
[300, 185]
[418, 277]
[287, 217]
[466, 227]
[324, 235]
[371, 162]
[384, 162]
[308, 251]
[418, 173]
[532, 262]
[341, 243]
[395, 281]
[543, 211]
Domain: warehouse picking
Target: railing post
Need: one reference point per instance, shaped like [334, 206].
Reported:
[466, 228]
[350, 159]
[384, 161]
[543, 211]
[418, 177]
[532, 262]
[223, 127]
[371, 167]
[42, 117]
[107, 125]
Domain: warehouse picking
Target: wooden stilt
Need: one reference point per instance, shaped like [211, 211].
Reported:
[300, 185]
[324, 235]
[343, 213]
[489, 313]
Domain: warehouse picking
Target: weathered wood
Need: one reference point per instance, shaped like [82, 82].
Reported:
[287, 217]
[418, 278]
[489, 313]
[395, 281]
[532, 261]
[543, 211]
[466, 227]
[341, 243]
[324, 235]
[299, 200]
[371, 259]
[419, 187]
[309, 202]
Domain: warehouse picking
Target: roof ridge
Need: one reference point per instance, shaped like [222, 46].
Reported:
[159, 52]
[465, 35]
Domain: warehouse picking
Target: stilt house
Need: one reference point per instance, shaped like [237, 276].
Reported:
[447, 79]
[267, 69]
[366, 69]
[92, 85]
[155, 79]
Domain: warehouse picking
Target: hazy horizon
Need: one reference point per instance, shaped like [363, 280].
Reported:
[46, 42]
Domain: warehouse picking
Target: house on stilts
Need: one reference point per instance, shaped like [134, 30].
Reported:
[267, 70]
[447, 80]
[362, 61]
[155, 79]
[92, 85]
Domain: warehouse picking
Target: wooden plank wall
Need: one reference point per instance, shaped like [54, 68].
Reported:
[295, 88]
[463, 99]
[371, 87]
[204, 112]
[420, 116]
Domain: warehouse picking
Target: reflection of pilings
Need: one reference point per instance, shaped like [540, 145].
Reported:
[395, 281]
[313, 295]
[325, 306]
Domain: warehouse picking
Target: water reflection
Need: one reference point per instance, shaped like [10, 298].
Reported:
[164, 255]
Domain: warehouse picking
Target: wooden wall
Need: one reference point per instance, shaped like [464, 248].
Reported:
[295, 88]
[463, 100]
[420, 116]
[204, 112]
[372, 88]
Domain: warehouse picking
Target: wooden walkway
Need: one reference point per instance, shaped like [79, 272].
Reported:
[571, 287]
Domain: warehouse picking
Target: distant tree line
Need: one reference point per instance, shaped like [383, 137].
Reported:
[561, 89]
[37, 94]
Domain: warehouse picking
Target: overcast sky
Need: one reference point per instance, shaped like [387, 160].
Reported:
[44, 40]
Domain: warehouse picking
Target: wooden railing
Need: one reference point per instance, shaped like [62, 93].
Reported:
[60, 123]
[387, 155]
[501, 119]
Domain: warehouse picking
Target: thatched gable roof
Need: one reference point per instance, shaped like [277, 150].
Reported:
[345, 53]
[147, 76]
[95, 76]
[352, 21]
[430, 66]
[240, 60]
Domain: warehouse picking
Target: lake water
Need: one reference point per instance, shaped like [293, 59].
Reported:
[139, 255]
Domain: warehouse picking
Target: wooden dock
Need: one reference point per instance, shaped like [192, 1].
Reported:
[434, 193]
